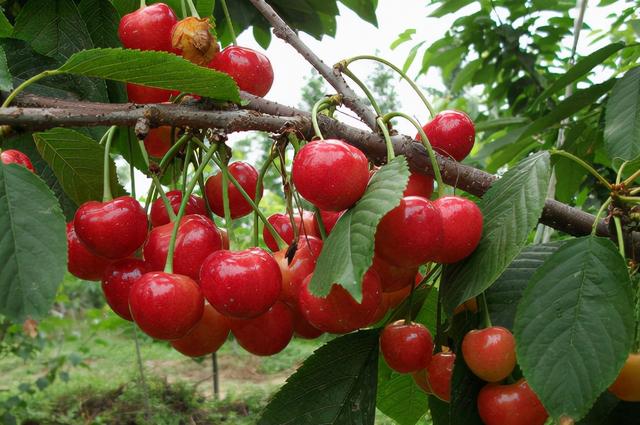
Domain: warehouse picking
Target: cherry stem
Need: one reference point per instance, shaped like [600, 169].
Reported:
[143, 382]
[413, 85]
[601, 211]
[150, 197]
[187, 161]
[631, 199]
[27, 83]
[192, 7]
[583, 164]
[106, 181]
[631, 178]
[173, 150]
[294, 142]
[288, 194]
[184, 7]
[320, 105]
[228, 221]
[227, 18]
[143, 3]
[427, 145]
[196, 160]
[485, 311]
[258, 198]
[408, 318]
[387, 139]
[132, 175]
[620, 171]
[163, 196]
[323, 230]
[619, 235]
[364, 88]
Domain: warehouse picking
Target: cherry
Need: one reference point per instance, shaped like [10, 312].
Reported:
[330, 174]
[266, 334]
[490, 353]
[301, 265]
[382, 310]
[406, 347]
[158, 141]
[439, 373]
[462, 228]
[393, 278]
[282, 224]
[80, 261]
[164, 305]
[247, 176]
[627, 385]
[329, 220]
[514, 404]
[206, 337]
[301, 326]
[410, 234]
[159, 215]
[469, 305]
[419, 185]
[251, 70]
[338, 312]
[12, 156]
[241, 284]
[421, 380]
[143, 94]
[148, 28]
[393, 299]
[451, 133]
[113, 229]
[117, 281]
[197, 238]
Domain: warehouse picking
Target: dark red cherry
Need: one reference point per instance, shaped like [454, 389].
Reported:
[420, 378]
[330, 174]
[393, 278]
[148, 28]
[117, 281]
[12, 156]
[266, 334]
[247, 176]
[158, 141]
[282, 224]
[490, 353]
[514, 404]
[159, 215]
[80, 261]
[439, 373]
[166, 306]
[241, 284]
[461, 230]
[207, 336]
[301, 265]
[143, 94]
[419, 185]
[406, 347]
[301, 326]
[251, 70]
[451, 133]
[113, 229]
[329, 220]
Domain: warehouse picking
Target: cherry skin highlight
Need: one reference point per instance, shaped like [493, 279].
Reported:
[251, 70]
[461, 230]
[282, 224]
[207, 336]
[159, 215]
[439, 372]
[81, 262]
[12, 156]
[490, 353]
[247, 176]
[514, 404]
[148, 28]
[266, 334]
[451, 133]
[406, 347]
[117, 281]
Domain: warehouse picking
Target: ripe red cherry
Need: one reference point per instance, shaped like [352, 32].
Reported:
[461, 230]
[80, 261]
[410, 234]
[439, 373]
[164, 305]
[159, 215]
[393, 299]
[12, 156]
[406, 347]
[490, 353]
[419, 185]
[393, 278]
[420, 378]
[627, 385]
[247, 176]
[148, 28]
[266, 334]
[514, 404]
[338, 312]
[330, 174]
[241, 284]
[117, 281]
[282, 224]
[251, 70]
[113, 229]
[450, 133]
[329, 220]
[158, 141]
[206, 337]
[301, 326]
[302, 265]
[143, 94]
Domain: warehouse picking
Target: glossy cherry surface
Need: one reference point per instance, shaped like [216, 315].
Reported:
[148, 28]
[241, 284]
[490, 353]
[159, 215]
[81, 262]
[419, 185]
[247, 176]
[406, 347]
[461, 228]
[301, 265]
[206, 337]
[330, 174]
[451, 133]
[301, 326]
[251, 70]
[266, 334]
[113, 229]
[393, 278]
[143, 94]
[514, 404]
[329, 220]
[420, 378]
[117, 281]
[339, 312]
[410, 234]
[12, 156]
[627, 385]
[439, 372]
[158, 141]
[166, 306]
[282, 224]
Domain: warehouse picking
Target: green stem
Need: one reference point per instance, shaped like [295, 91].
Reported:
[143, 3]
[106, 183]
[485, 311]
[323, 230]
[145, 155]
[227, 18]
[320, 105]
[620, 171]
[187, 161]
[132, 176]
[197, 160]
[294, 142]
[228, 221]
[387, 138]
[150, 197]
[192, 7]
[27, 83]
[584, 165]
[407, 319]
[619, 235]
[173, 150]
[184, 8]
[413, 85]
[632, 199]
[365, 89]
[163, 196]
[601, 211]
[427, 145]
[631, 178]
[258, 198]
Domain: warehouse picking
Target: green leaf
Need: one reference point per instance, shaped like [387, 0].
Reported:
[439, 411]
[33, 246]
[349, 247]
[154, 69]
[262, 36]
[466, 74]
[403, 37]
[499, 123]
[465, 387]
[205, 7]
[411, 56]
[449, 6]
[77, 162]
[6, 80]
[427, 315]
[366, 9]
[511, 208]
[6, 29]
[336, 385]
[622, 119]
[399, 397]
[574, 327]
[102, 20]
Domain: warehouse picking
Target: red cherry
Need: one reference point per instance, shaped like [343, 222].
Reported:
[266, 334]
[490, 353]
[12, 156]
[282, 224]
[159, 215]
[439, 373]
[302, 265]
[330, 174]
[117, 281]
[419, 185]
[627, 385]
[197, 238]
[420, 378]
[206, 337]
[158, 141]
[329, 220]
[406, 347]
[241, 284]
[462, 228]
[338, 312]
[251, 70]
[514, 404]
[80, 261]
[450, 133]
[143, 94]
[164, 305]
[148, 28]
[393, 278]
[410, 234]
[247, 176]
[113, 229]
[394, 298]
[301, 326]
